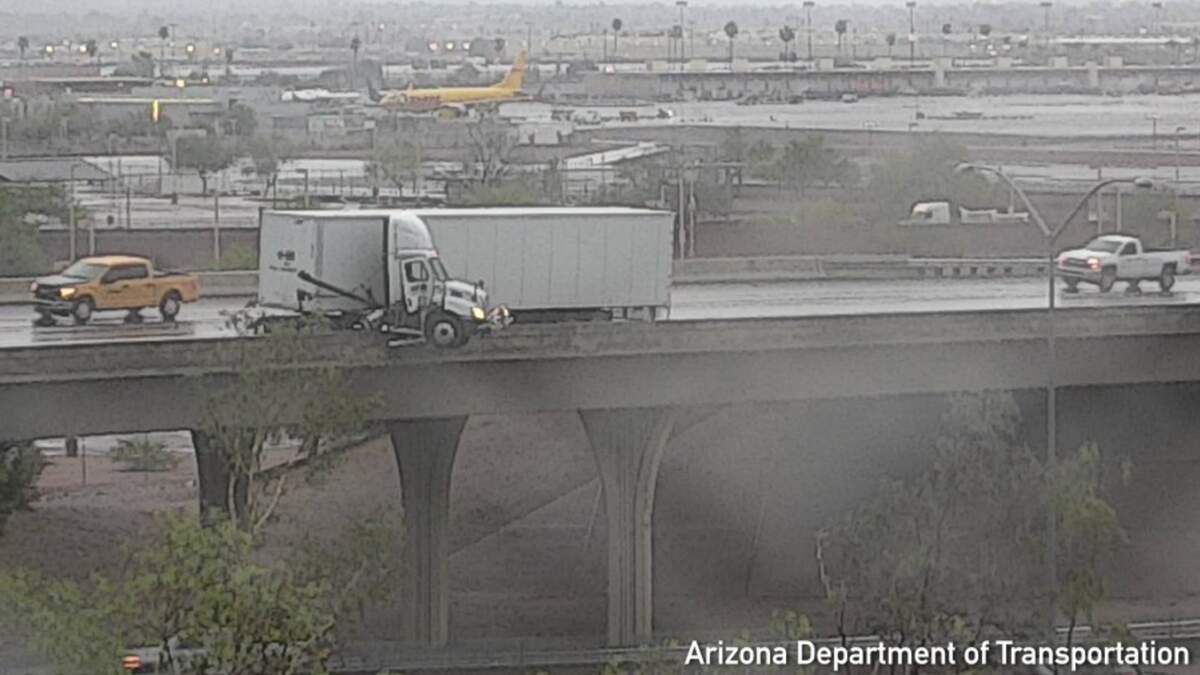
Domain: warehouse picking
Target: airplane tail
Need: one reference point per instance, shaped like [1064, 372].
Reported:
[515, 78]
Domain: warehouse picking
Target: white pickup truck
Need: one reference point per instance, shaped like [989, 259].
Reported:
[1105, 260]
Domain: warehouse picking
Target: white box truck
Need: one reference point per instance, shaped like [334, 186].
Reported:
[560, 263]
[368, 269]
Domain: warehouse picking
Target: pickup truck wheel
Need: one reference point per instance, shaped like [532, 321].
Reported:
[1166, 280]
[1072, 285]
[1108, 277]
[82, 310]
[170, 305]
[444, 331]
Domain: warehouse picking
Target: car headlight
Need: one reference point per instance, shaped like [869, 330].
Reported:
[478, 314]
[66, 293]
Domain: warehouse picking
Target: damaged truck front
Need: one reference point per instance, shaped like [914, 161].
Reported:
[369, 269]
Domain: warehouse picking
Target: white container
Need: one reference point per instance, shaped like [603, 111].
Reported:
[534, 260]
[549, 258]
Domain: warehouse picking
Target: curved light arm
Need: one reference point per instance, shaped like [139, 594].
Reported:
[1037, 216]
[1139, 182]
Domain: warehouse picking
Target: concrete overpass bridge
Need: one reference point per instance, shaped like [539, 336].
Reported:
[634, 386]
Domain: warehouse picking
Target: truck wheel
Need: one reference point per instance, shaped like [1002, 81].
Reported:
[170, 306]
[1166, 280]
[444, 331]
[82, 310]
[1108, 277]
[1072, 285]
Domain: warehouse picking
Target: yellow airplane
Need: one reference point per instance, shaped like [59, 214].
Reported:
[454, 101]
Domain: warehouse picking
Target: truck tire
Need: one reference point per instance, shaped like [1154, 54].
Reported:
[1071, 284]
[169, 306]
[444, 331]
[1108, 277]
[82, 310]
[1166, 280]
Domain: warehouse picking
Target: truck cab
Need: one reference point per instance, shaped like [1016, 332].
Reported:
[370, 268]
[1114, 257]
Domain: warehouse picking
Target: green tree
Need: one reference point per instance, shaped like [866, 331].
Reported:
[241, 121]
[143, 454]
[786, 35]
[805, 162]
[1088, 534]
[960, 549]
[761, 158]
[205, 155]
[193, 587]
[731, 32]
[396, 162]
[925, 171]
[21, 207]
[266, 154]
[284, 390]
[20, 468]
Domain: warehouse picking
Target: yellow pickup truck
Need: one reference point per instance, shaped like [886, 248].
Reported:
[111, 282]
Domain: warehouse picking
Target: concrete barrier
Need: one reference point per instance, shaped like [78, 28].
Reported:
[725, 270]
[952, 268]
[704, 271]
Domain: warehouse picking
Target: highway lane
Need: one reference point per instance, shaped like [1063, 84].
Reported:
[207, 319]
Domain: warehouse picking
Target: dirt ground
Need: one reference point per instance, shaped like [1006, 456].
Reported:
[739, 497]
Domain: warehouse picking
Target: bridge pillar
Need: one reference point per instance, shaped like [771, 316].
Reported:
[628, 445]
[212, 476]
[425, 451]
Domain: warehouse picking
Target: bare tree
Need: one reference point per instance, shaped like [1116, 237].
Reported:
[491, 143]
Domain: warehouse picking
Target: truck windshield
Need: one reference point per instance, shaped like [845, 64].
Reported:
[1103, 245]
[439, 271]
[84, 270]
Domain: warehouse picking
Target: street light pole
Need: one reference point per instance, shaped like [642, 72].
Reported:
[808, 5]
[1175, 191]
[912, 32]
[682, 5]
[71, 211]
[1050, 237]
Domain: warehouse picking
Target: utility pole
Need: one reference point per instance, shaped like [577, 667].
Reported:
[682, 5]
[71, 211]
[912, 32]
[808, 5]
[3, 138]
[1175, 192]
[216, 226]
[1046, 5]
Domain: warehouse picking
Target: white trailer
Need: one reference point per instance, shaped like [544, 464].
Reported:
[367, 269]
[551, 263]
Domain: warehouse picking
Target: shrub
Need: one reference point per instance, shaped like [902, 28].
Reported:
[20, 468]
[143, 454]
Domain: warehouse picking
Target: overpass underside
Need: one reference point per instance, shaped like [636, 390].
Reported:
[634, 388]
